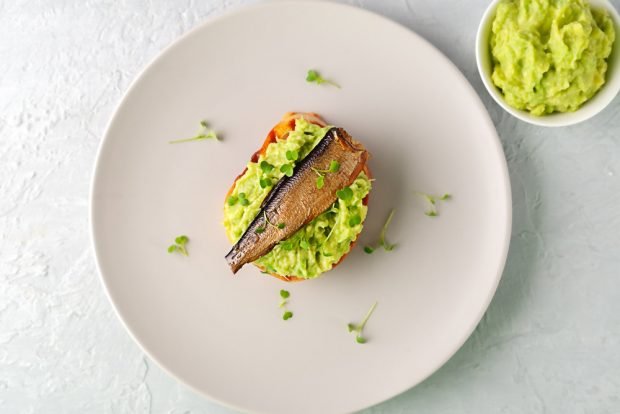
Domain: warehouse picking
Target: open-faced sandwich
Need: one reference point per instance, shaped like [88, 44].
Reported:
[300, 204]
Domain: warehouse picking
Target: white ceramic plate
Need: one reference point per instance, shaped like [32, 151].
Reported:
[224, 335]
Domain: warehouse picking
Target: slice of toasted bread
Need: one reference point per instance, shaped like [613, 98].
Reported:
[279, 132]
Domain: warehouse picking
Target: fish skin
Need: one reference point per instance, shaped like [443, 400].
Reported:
[295, 200]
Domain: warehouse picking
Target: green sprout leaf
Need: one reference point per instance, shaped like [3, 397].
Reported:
[243, 200]
[287, 315]
[382, 240]
[287, 245]
[287, 169]
[266, 167]
[304, 244]
[382, 237]
[334, 166]
[232, 200]
[345, 194]
[358, 329]
[355, 220]
[204, 134]
[284, 294]
[179, 245]
[320, 182]
[260, 230]
[432, 202]
[264, 182]
[292, 155]
[281, 226]
[314, 76]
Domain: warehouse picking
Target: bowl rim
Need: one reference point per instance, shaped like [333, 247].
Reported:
[588, 109]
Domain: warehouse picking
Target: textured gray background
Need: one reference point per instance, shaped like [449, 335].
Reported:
[550, 342]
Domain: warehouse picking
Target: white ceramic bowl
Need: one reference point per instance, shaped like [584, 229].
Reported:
[596, 104]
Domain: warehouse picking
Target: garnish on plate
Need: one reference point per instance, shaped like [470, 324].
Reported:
[179, 245]
[358, 329]
[284, 295]
[262, 228]
[432, 201]
[334, 167]
[382, 240]
[314, 76]
[204, 134]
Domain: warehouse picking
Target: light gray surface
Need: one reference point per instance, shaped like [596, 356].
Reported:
[550, 341]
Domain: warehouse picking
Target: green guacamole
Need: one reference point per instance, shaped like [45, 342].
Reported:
[319, 245]
[550, 55]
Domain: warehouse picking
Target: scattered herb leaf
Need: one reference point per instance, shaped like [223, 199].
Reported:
[266, 167]
[314, 76]
[382, 240]
[359, 329]
[287, 169]
[204, 134]
[432, 202]
[284, 294]
[232, 200]
[355, 220]
[287, 315]
[345, 194]
[264, 182]
[179, 245]
[292, 155]
[320, 182]
[334, 166]
[244, 202]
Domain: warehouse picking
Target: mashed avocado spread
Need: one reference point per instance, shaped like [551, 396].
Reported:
[550, 55]
[319, 245]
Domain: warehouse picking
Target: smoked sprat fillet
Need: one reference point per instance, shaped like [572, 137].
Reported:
[295, 201]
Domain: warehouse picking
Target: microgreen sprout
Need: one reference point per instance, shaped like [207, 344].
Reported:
[292, 155]
[179, 245]
[432, 201]
[264, 182]
[314, 76]
[204, 134]
[358, 329]
[265, 166]
[243, 200]
[345, 194]
[287, 169]
[334, 167]
[382, 240]
[355, 220]
[262, 228]
[320, 181]
[232, 200]
[284, 295]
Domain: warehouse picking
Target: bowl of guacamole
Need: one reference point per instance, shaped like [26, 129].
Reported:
[550, 62]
